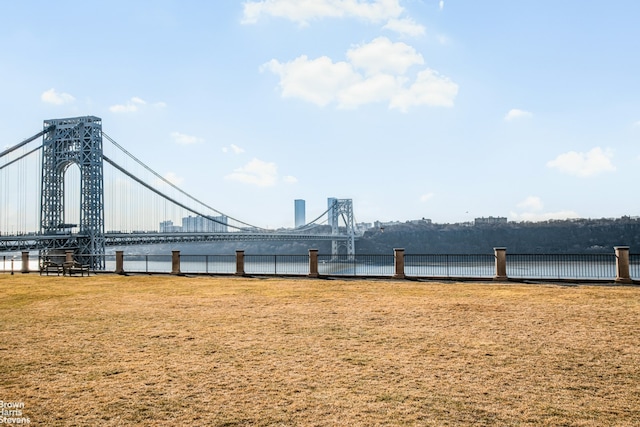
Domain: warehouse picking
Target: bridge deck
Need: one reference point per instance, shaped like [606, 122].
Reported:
[39, 241]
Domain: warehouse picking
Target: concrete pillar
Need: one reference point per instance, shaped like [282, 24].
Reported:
[68, 256]
[398, 257]
[119, 262]
[622, 264]
[25, 261]
[501, 263]
[175, 262]
[313, 263]
[240, 263]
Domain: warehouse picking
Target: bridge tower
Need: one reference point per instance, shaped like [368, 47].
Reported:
[342, 208]
[77, 141]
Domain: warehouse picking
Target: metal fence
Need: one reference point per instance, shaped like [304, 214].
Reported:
[634, 266]
[465, 266]
[358, 265]
[208, 264]
[450, 266]
[561, 266]
[276, 264]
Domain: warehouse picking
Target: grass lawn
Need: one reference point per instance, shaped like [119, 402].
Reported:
[208, 351]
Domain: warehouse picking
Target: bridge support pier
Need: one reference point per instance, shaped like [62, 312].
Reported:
[313, 263]
[240, 263]
[25, 262]
[501, 263]
[622, 264]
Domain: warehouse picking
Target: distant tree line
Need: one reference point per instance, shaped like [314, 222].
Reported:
[549, 237]
[567, 236]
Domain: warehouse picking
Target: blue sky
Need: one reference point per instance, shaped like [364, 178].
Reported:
[448, 110]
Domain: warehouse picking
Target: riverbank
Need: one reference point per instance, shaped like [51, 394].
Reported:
[159, 350]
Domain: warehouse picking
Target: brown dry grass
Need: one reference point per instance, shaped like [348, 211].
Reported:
[163, 350]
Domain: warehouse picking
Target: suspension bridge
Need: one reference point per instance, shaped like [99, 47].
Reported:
[71, 187]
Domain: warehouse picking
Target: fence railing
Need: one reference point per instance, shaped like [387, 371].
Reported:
[620, 266]
[634, 266]
[358, 265]
[450, 266]
[561, 266]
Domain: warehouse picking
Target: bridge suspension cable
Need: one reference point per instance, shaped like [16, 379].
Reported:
[159, 193]
[67, 209]
[168, 198]
[25, 142]
[17, 184]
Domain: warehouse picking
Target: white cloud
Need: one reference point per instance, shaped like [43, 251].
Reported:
[383, 56]
[587, 164]
[256, 172]
[134, 105]
[531, 203]
[515, 113]
[51, 96]
[533, 212]
[430, 88]
[637, 124]
[426, 197]
[406, 26]
[441, 4]
[374, 89]
[322, 81]
[183, 139]
[173, 178]
[303, 11]
[317, 81]
[234, 148]
[442, 39]
[290, 179]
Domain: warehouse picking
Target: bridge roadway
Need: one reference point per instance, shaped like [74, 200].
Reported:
[35, 241]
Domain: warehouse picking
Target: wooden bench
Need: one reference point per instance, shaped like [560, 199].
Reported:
[51, 267]
[71, 268]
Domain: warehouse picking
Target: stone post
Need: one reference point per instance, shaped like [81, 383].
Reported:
[175, 262]
[119, 262]
[622, 264]
[313, 263]
[25, 261]
[239, 263]
[501, 263]
[68, 256]
[398, 257]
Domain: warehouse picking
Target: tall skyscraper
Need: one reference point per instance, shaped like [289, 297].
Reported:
[299, 206]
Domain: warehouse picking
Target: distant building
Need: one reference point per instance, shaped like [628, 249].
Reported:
[168, 227]
[381, 225]
[196, 224]
[420, 221]
[199, 224]
[364, 225]
[490, 220]
[299, 207]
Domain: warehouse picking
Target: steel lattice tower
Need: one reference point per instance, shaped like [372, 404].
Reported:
[342, 208]
[67, 141]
